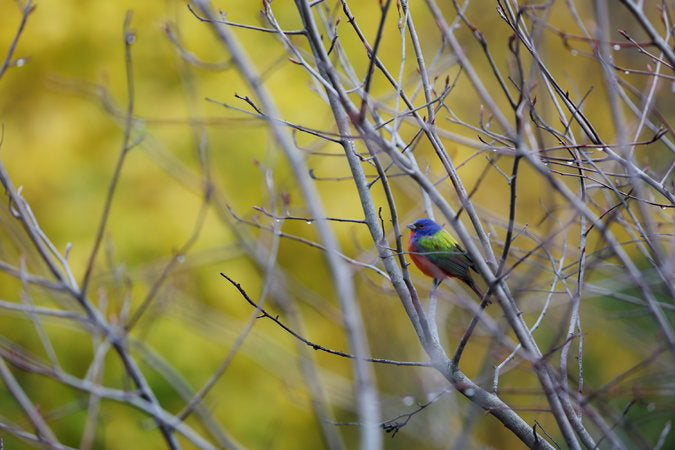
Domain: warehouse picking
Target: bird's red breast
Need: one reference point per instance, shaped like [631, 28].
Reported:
[423, 263]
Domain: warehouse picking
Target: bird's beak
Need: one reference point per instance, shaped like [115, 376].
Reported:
[412, 226]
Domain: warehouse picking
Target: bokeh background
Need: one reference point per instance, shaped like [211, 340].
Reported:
[62, 106]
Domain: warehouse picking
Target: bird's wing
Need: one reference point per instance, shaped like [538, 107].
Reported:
[445, 252]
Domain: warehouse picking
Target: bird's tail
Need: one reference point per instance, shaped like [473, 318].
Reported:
[476, 289]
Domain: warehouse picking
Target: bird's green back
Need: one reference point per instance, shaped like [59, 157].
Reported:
[445, 252]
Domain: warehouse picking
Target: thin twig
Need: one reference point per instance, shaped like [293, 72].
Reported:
[276, 320]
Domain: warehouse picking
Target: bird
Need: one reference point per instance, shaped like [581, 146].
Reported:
[438, 255]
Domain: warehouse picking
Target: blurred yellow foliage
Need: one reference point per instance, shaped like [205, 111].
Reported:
[63, 106]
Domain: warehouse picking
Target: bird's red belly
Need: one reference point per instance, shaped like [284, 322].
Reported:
[427, 267]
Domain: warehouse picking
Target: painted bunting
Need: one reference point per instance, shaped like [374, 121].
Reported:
[437, 254]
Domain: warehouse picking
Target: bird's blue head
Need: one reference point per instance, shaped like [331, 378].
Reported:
[424, 227]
